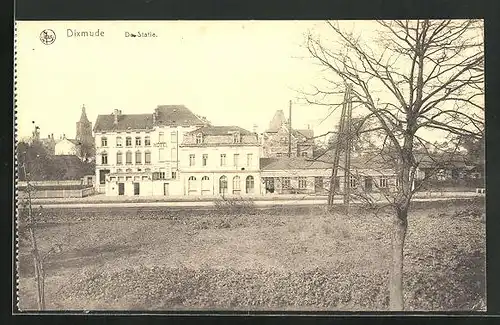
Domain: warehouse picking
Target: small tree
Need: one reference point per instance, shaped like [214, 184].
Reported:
[415, 76]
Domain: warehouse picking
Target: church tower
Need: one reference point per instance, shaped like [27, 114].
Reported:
[84, 134]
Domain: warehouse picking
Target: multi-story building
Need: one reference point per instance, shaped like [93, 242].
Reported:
[220, 160]
[275, 140]
[138, 154]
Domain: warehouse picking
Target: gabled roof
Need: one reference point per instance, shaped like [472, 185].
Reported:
[171, 115]
[307, 133]
[125, 122]
[73, 141]
[277, 121]
[176, 115]
[220, 130]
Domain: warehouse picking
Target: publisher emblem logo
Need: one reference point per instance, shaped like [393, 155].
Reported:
[48, 36]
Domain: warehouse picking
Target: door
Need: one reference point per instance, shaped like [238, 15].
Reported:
[165, 189]
[318, 184]
[368, 184]
[136, 188]
[121, 188]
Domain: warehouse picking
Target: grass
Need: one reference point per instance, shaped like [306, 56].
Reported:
[288, 260]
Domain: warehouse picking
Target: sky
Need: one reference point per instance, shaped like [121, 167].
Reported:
[232, 72]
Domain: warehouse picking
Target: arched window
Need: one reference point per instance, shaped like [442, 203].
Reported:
[128, 141]
[118, 170]
[250, 184]
[223, 185]
[138, 157]
[199, 138]
[205, 185]
[192, 184]
[119, 158]
[236, 185]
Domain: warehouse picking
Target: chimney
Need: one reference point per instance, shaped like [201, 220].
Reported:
[116, 113]
[254, 128]
[64, 136]
[52, 136]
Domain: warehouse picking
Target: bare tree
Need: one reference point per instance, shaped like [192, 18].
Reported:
[412, 77]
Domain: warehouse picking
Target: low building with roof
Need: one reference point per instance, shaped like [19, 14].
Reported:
[220, 160]
[299, 175]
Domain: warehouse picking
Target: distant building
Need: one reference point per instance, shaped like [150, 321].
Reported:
[138, 154]
[220, 160]
[67, 147]
[84, 137]
[275, 140]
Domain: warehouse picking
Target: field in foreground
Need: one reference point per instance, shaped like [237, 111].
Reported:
[279, 260]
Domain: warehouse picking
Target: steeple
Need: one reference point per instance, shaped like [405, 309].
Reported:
[83, 117]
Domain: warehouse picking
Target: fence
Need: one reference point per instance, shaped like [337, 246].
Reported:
[51, 183]
[61, 193]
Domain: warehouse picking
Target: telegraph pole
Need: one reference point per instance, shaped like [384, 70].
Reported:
[348, 142]
[342, 145]
[290, 129]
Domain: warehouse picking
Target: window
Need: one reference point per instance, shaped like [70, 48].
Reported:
[192, 160]
[204, 159]
[173, 154]
[302, 182]
[384, 182]
[104, 158]
[147, 141]
[118, 170]
[161, 137]
[161, 174]
[205, 185]
[192, 183]
[174, 175]
[304, 153]
[223, 185]
[199, 138]
[249, 159]
[285, 182]
[223, 159]
[147, 157]
[236, 159]
[278, 154]
[138, 141]
[128, 141]
[173, 137]
[119, 158]
[104, 141]
[138, 157]
[236, 137]
[353, 182]
[119, 142]
[128, 158]
[250, 184]
[236, 185]
[161, 154]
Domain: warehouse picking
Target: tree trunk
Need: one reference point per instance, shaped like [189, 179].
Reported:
[396, 302]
